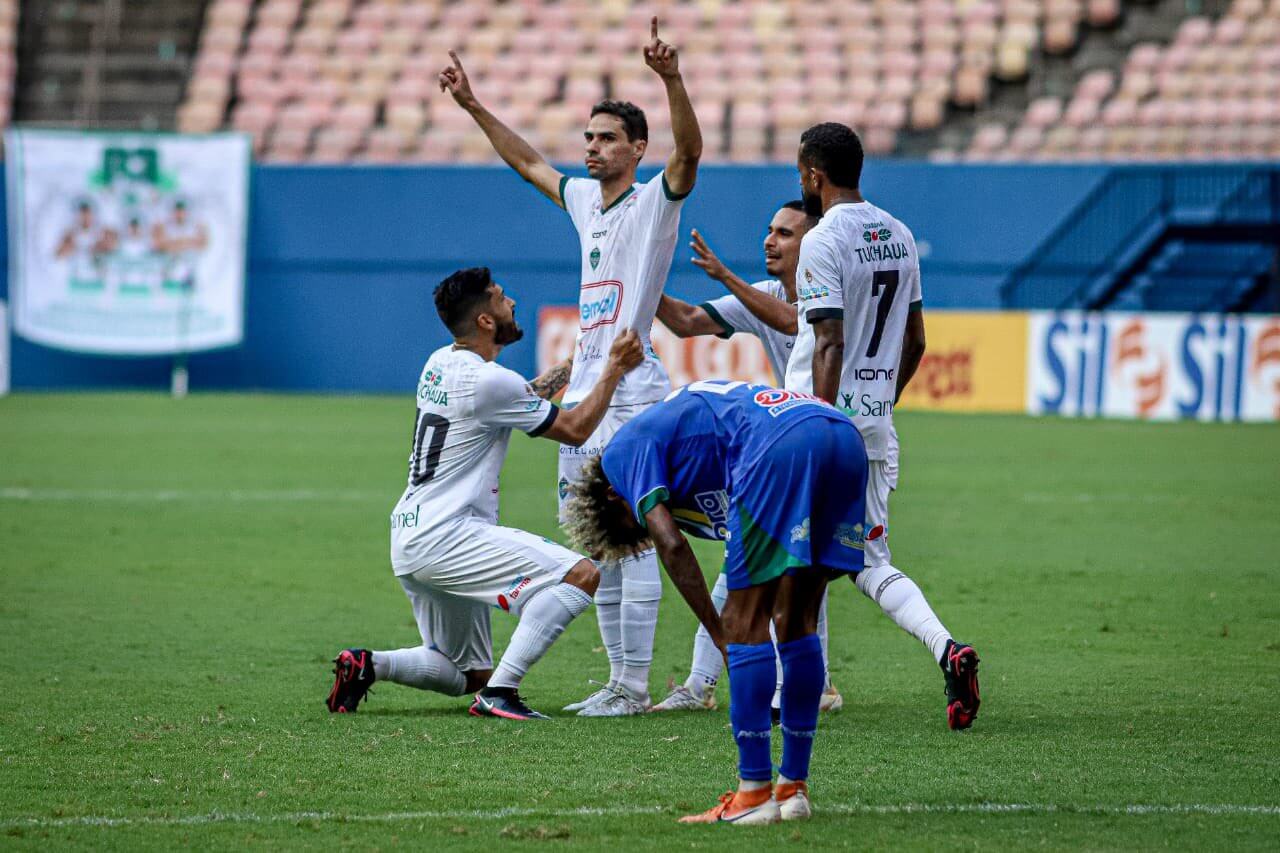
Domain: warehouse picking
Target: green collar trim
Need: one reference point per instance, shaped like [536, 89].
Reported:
[617, 201]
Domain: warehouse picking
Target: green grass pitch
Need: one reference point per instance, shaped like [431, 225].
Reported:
[176, 575]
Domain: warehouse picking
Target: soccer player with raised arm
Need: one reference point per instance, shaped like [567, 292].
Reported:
[755, 309]
[452, 558]
[859, 342]
[627, 232]
[710, 461]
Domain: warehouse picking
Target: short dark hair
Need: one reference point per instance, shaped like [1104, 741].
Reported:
[598, 521]
[631, 116]
[459, 297]
[798, 205]
[836, 150]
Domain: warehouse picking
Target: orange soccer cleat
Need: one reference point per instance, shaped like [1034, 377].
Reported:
[748, 808]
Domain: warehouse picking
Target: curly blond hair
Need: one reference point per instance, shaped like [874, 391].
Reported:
[598, 523]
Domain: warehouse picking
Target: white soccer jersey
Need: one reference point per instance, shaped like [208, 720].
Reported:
[858, 263]
[626, 255]
[467, 408]
[730, 313]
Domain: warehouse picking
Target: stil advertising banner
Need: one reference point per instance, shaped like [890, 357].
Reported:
[126, 243]
[1154, 366]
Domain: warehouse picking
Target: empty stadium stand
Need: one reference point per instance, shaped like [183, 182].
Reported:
[338, 80]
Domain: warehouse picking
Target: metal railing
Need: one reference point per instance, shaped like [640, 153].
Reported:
[1125, 214]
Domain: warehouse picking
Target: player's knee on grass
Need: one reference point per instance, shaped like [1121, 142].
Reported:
[585, 576]
[476, 679]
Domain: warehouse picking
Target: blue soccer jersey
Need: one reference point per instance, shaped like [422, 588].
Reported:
[779, 475]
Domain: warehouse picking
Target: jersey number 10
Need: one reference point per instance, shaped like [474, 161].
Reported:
[422, 466]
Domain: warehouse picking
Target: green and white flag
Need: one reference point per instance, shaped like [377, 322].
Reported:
[127, 243]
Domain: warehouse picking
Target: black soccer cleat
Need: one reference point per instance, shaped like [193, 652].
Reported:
[960, 669]
[503, 702]
[352, 677]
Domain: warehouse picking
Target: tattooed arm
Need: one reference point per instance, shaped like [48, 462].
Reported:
[550, 383]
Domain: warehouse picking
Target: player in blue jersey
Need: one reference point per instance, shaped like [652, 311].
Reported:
[713, 460]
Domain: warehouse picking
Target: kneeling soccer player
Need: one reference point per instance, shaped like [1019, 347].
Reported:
[781, 477]
[448, 552]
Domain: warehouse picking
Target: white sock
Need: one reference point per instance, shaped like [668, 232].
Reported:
[752, 784]
[543, 619]
[609, 615]
[822, 638]
[777, 664]
[641, 592]
[420, 667]
[708, 663]
[904, 603]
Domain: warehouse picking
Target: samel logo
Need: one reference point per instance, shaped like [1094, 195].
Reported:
[600, 304]
[1133, 361]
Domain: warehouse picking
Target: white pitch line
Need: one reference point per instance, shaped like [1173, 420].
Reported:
[1220, 810]
[18, 493]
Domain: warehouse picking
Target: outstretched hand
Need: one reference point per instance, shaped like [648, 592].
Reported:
[659, 55]
[706, 259]
[453, 79]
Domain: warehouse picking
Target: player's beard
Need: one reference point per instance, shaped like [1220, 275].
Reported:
[507, 333]
[812, 204]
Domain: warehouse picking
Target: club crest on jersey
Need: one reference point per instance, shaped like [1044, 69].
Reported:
[429, 388]
[600, 304]
[595, 257]
[776, 401]
[564, 488]
[514, 590]
[808, 276]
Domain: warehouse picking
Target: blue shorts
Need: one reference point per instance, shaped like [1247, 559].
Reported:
[801, 503]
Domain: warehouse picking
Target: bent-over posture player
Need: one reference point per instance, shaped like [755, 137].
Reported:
[787, 474]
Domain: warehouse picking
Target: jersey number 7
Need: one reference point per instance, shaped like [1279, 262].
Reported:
[886, 280]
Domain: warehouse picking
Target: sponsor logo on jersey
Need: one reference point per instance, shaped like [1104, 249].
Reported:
[856, 536]
[800, 533]
[596, 235]
[882, 252]
[872, 374]
[715, 505]
[867, 406]
[600, 304]
[514, 589]
[594, 257]
[776, 400]
[429, 388]
[821, 291]
[405, 520]
[875, 235]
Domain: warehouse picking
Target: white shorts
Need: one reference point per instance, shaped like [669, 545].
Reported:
[474, 566]
[573, 458]
[882, 479]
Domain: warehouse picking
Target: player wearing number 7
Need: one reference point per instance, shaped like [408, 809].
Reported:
[452, 558]
[627, 233]
[858, 283]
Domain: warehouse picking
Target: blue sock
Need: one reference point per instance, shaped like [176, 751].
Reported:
[751, 682]
[802, 683]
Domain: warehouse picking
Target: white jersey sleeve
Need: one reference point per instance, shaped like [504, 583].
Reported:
[577, 196]
[733, 316]
[504, 399]
[820, 278]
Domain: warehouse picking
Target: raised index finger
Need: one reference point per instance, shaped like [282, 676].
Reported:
[457, 63]
[653, 27]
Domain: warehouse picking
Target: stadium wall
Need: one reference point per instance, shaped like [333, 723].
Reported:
[342, 260]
